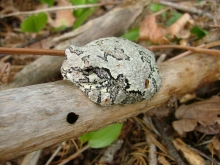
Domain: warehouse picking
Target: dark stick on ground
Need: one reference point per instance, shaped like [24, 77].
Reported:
[167, 141]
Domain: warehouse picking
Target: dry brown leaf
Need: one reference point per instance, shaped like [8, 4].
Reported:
[150, 30]
[191, 156]
[187, 97]
[205, 112]
[184, 125]
[4, 72]
[177, 29]
[214, 146]
[159, 112]
[63, 17]
[162, 160]
[209, 129]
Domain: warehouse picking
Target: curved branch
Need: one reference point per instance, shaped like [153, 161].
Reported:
[34, 117]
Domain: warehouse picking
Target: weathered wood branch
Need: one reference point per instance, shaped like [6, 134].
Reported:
[34, 117]
[114, 23]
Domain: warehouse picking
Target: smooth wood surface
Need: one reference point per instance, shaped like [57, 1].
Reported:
[34, 117]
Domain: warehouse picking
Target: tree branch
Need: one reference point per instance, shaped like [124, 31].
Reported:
[34, 117]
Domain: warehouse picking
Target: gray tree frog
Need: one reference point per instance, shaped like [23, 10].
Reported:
[112, 71]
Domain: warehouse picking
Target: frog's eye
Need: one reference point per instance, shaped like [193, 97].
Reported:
[89, 70]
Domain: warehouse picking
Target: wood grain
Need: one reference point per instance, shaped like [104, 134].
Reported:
[34, 117]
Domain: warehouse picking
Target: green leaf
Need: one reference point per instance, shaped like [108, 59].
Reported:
[156, 7]
[103, 137]
[199, 32]
[82, 14]
[84, 138]
[131, 35]
[78, 12]
[174, 17]
[48, 2]
[81, 19]
[91, 1]
[34, 23]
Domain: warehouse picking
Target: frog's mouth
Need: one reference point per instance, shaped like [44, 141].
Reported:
[102, 78]
[101, 73]
[88, 71]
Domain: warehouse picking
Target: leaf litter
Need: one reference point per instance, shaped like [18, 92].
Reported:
[189, 123]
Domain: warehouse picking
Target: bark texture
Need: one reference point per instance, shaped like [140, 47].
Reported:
[34, 117]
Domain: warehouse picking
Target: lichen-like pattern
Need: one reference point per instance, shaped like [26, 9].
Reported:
[112, 71]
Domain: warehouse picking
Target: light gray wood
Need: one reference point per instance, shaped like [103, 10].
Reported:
[34, 117]
[114, 23]
[32, 158]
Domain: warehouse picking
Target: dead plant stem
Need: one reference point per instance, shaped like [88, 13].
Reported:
[57, 9]
[27, 51]
[194, 49]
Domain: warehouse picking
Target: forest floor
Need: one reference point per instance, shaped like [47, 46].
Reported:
[183, 131]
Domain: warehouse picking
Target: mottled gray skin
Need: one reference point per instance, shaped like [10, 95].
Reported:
[112, 71]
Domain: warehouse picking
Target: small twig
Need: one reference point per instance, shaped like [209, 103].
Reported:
[57, 9]
[152, 147]
[170, 147]
[186, 8]
[27, 51]
[194, 49]
[160, 11]
[64, 161]
[212, 44]
[52, 52]
[55, 153]
[185, 53]
[204, 155]
[111, 151]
